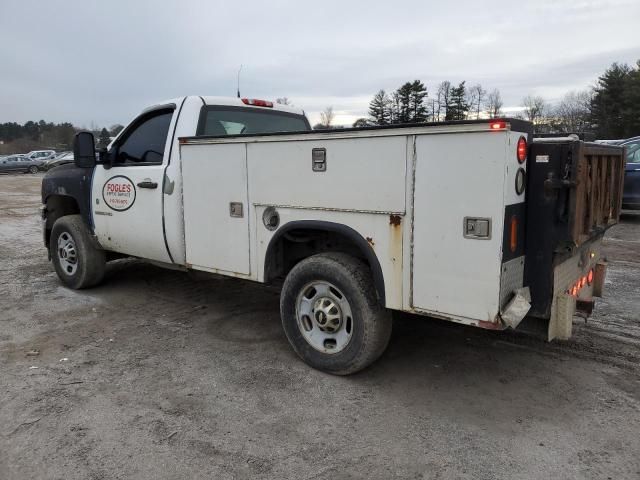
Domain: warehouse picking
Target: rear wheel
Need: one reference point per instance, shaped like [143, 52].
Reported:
[33, 169]
[331, 314]
[78, 263]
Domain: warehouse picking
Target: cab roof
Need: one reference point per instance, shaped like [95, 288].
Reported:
[229, 101]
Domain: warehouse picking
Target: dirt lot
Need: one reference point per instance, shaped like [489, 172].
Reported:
[161, 374]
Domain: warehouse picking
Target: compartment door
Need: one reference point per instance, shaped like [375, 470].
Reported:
[216, 220]
[458, 176]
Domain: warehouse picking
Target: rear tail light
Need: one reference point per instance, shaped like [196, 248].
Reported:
[498, 125]
[513, 234]
[521, 151]
[257, 103]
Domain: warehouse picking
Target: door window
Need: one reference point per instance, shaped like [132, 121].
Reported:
[145, 142]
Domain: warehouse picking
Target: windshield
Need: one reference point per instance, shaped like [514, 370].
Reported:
[221, 121]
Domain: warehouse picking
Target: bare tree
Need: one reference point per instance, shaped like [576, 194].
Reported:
[493, 104]
[475, 98]
[443, 99]
[326, 117]
[573, 111]
[284, 101]
[535, 109]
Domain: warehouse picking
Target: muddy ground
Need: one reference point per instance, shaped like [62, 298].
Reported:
[160, 374]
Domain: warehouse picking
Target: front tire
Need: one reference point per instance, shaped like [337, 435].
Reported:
[331, 314]
[78, 263]
[33, 169]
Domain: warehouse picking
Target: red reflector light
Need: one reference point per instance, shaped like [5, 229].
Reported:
[522, 150]
[513, 243]
[590, 277]
[257, 103]
[499, 125]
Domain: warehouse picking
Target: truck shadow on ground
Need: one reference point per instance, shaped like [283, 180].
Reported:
[245, 313]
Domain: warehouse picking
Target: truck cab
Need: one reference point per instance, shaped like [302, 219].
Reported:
[136, 186]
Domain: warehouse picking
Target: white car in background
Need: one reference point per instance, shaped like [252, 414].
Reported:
[41, 155]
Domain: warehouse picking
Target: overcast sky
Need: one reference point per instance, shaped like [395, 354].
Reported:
[101, 62]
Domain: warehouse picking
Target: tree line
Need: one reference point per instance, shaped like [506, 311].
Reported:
[411, 103]
[609, 109]
[22, 138]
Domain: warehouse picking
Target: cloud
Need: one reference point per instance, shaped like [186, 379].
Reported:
[103, 62]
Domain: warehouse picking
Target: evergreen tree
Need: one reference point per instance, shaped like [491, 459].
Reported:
[609, 102]
[403, 95]
[407, 104]
[380, 109]
[631, 104]
[457, 108]
[417, 108]
[103, 139]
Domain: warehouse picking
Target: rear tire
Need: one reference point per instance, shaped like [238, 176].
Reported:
[33, 169]
[331, 314]
[78, 263]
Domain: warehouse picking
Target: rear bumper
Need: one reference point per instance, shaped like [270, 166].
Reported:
[576, 282]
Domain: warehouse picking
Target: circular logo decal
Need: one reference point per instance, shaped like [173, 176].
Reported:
[119, 193]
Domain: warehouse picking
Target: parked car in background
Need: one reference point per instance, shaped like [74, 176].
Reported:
[60, 159]
[41, 155]
[18, 163]
[631, 192]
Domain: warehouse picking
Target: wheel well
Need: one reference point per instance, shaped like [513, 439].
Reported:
[59, 206]
[296, 241]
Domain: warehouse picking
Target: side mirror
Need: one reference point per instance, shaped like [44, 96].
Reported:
[84, 150]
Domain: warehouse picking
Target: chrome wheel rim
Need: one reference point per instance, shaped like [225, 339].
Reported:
[324, 317]
[67, 253]
[33, 169]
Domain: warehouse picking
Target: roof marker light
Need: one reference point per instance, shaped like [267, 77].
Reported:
[498, 125]
[257, 103]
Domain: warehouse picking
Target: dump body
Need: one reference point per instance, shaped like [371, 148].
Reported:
[574, 196]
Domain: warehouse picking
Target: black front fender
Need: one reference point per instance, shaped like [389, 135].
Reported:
[73, 183]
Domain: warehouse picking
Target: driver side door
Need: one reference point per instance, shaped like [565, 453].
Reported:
[127, 198]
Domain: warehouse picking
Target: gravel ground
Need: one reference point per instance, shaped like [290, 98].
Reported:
[160, 374]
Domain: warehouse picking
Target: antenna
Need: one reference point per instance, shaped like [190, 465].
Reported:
[238, 84]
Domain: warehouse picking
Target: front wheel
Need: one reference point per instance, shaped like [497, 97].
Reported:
[78, 263]
[331, 314]
[33, 169]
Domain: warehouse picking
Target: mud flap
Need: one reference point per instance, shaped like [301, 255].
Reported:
[561, 322]
[517, 308]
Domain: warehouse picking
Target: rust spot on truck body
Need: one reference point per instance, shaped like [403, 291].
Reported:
[370, 242]
[395, 257]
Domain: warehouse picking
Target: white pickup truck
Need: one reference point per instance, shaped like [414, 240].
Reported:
[466, 221]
